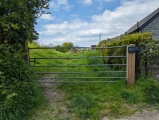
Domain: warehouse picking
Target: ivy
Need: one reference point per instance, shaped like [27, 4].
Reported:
[149, 51]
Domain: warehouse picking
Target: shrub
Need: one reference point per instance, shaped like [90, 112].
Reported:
[123, 40]
[18, 90]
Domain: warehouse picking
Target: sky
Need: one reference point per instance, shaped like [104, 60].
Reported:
[82, 21]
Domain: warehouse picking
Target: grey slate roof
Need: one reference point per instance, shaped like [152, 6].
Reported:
[145, 21]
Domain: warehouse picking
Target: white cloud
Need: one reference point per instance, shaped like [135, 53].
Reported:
[47, 17]
[109, 24]
[88, 2]
[60, 4]
[105, 0]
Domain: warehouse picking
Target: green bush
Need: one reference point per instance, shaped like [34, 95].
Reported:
[19, 92]
[123, 40]
[135, 38]
[65, 47]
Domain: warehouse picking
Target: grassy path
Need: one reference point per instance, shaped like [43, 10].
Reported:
[55, 107]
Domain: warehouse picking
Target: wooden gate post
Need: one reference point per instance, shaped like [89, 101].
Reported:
[25, 50]
[130, 70]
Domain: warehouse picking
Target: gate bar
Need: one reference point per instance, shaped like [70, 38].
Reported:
[80, 72]
[84, 78]
[85, 47]
[83, 57]
[82, 65]
[79, 81]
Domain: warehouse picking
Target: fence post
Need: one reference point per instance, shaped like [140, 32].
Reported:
[28, 54]
[130, 70]
[25, 50]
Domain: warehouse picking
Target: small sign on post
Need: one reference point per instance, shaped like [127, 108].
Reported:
[131, 50]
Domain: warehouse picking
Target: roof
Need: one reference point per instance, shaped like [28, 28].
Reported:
[144, 22]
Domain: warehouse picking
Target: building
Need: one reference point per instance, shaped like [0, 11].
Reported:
[148, 24]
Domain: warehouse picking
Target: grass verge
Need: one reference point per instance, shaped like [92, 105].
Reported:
[93, 101]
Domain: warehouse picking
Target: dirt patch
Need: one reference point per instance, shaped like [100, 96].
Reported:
[56, 108]
[144, 115]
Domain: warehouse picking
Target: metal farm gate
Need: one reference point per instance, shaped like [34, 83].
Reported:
[79, 65]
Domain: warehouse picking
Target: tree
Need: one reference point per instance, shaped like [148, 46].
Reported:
[58, 48]
[17, 20]
[67, 46]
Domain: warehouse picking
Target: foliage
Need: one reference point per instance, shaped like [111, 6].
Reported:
[124, 40]
[17, 19]
[136, 39]
[149, 51]
[65, 47]
[19, 92]
[58, 48]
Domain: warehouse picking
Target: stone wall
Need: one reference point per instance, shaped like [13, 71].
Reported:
[153, 68]
[153, 27]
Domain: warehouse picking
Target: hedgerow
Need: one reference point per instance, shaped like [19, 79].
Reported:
[123, 40]
[19, 92]
[136, 39]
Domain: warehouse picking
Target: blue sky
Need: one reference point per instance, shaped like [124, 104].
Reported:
[82, 21]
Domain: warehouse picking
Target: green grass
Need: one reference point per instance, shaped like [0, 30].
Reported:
[94, 100]
[112, 99]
